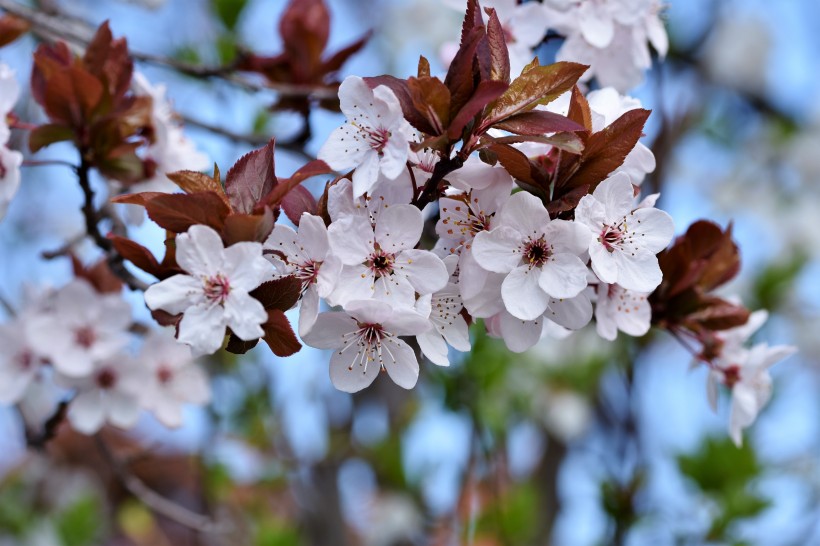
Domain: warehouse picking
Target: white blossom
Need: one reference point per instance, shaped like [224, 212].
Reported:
[364, 340]
[306, 255]
[375, 139]
[20, 361]
[617, 308]
[10, 160]
[172, 378]
[380, 260]
[108, 394]
[213, 295]
[538, 256]
[448, 325]
[81, 328]
[625, 239]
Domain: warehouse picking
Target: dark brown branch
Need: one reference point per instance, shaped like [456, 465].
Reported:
[39, 440]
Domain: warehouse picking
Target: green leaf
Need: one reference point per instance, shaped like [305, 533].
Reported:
[79, 524]
[229, 11]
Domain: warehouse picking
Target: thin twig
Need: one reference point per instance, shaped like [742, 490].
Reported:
[39, 440]
[156, 502]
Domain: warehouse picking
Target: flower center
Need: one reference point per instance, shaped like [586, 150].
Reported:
[106, 378]
[381, 263]
[85, 337]
[377, 138]
[308, 272]
[25, 360]
[164, 374]
[611, 237]
[217, 289]
[731, 375]
[371, 334]
[536, 253]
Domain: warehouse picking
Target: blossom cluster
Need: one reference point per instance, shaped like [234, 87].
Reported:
[78, 339]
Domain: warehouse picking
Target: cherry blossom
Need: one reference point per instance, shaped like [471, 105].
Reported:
[444, 311]
[746, 373]
[10, 160]
[109, 393]
[213, 295]
[81, 328]
[381, 262]
[384, 194]
[620, 309]
[539, 256]
[375, 139]
[625, 239]
[172, 378]
[20, 362]
[364, 340]
[305, 254]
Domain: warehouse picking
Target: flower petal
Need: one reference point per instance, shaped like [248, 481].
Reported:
[498, 250]
[352, 371]
[522, 295]
[425, 271]
[519, 335]
[351, 239]
[245, 316]
[199, 251]
[399, 228]
[400, 362]
[434, 347]
[330, 330]
[526, 214]
[203, 328]
[563, 276]
[174, 294]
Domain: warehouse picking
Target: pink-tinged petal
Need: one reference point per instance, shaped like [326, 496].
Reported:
[330, 331]
[245, 267]
[395, 290]
[563, 276]
[199, 251]
[475, 174]
[434, 348]
[525, 213]
[640, 161]
[354, 95]
[352, 371]
[457, 334]
[393, 161]
[308, 310]
[400, 362]
[591, 213]
[528, 23]
[169, 413]
[313, 237]
[653, 228]
[85, 413]
[486, 302]
[640, 272]
[203, 328]
[387, 106]
[328, 275]
[522, 296]
[572, 313]
[472, 278]
[406, 322]
[351, 239]
[604, 263]
[633, 314]
[344, 149]
[617, 195]
[565, 236]
[399, 228]
[366, 173]
[520, 335]
[122, 409]
[245, 316]
[356, 282]
[13, 380]
[743, 413]
[192, 385]
[657, 35]
[174, 294]
[425, 271]
[283, 239]
[712, 383]
[340, 202]
[498, 250]
[370, 311]
[604, 320]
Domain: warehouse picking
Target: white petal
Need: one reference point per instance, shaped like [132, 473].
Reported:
[400, 362]
[366, 174]
[86, 412]
[425, 271]
[519, 335]
[351, 239]
[640, 272]
[344, 149]
[604, 263]
[203, 328]
[199, 251]
[122, 409]
[245, 316]
[457, 334]
[563, 276]
[399, 228]
[525, 213]
[564, 236]
[351, 371]
[653, 228]
[522, 296]
[572, 313]
[434, 348]
[498, 250]
[174, 294]
[330, 330]
[617, 195]
[356, 282]
[308, 310]
[313, 237]
[591, 213]
[596, 27]
[245, 267]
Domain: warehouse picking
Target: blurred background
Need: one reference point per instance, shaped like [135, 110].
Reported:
[576, 442]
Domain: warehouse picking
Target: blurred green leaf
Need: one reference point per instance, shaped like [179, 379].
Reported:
[720, 465]
[776, 280]
[274, 532]
[79, 524]
[229, 11]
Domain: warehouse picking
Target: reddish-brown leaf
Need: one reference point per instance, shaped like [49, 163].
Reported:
[140, 257]
[248, 227]
[47, 134]
[717, 314]
[136, 198]
[71, 96]
[499, 55]
[177, 212]
[339, 58]
[538, 85]
[239, 346]
[109, 61]
[538, 122]
[461, 79]
[431, 99]
[579, 111]
[402, 92]
[279, 334]
[516, 163]
[317, 167]
[305, 28]
[194, 182]
[279, 294]
[98, 275]
[424, 67]
[11, 28]
[251, 178]
[485, 93]
[297, 202]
